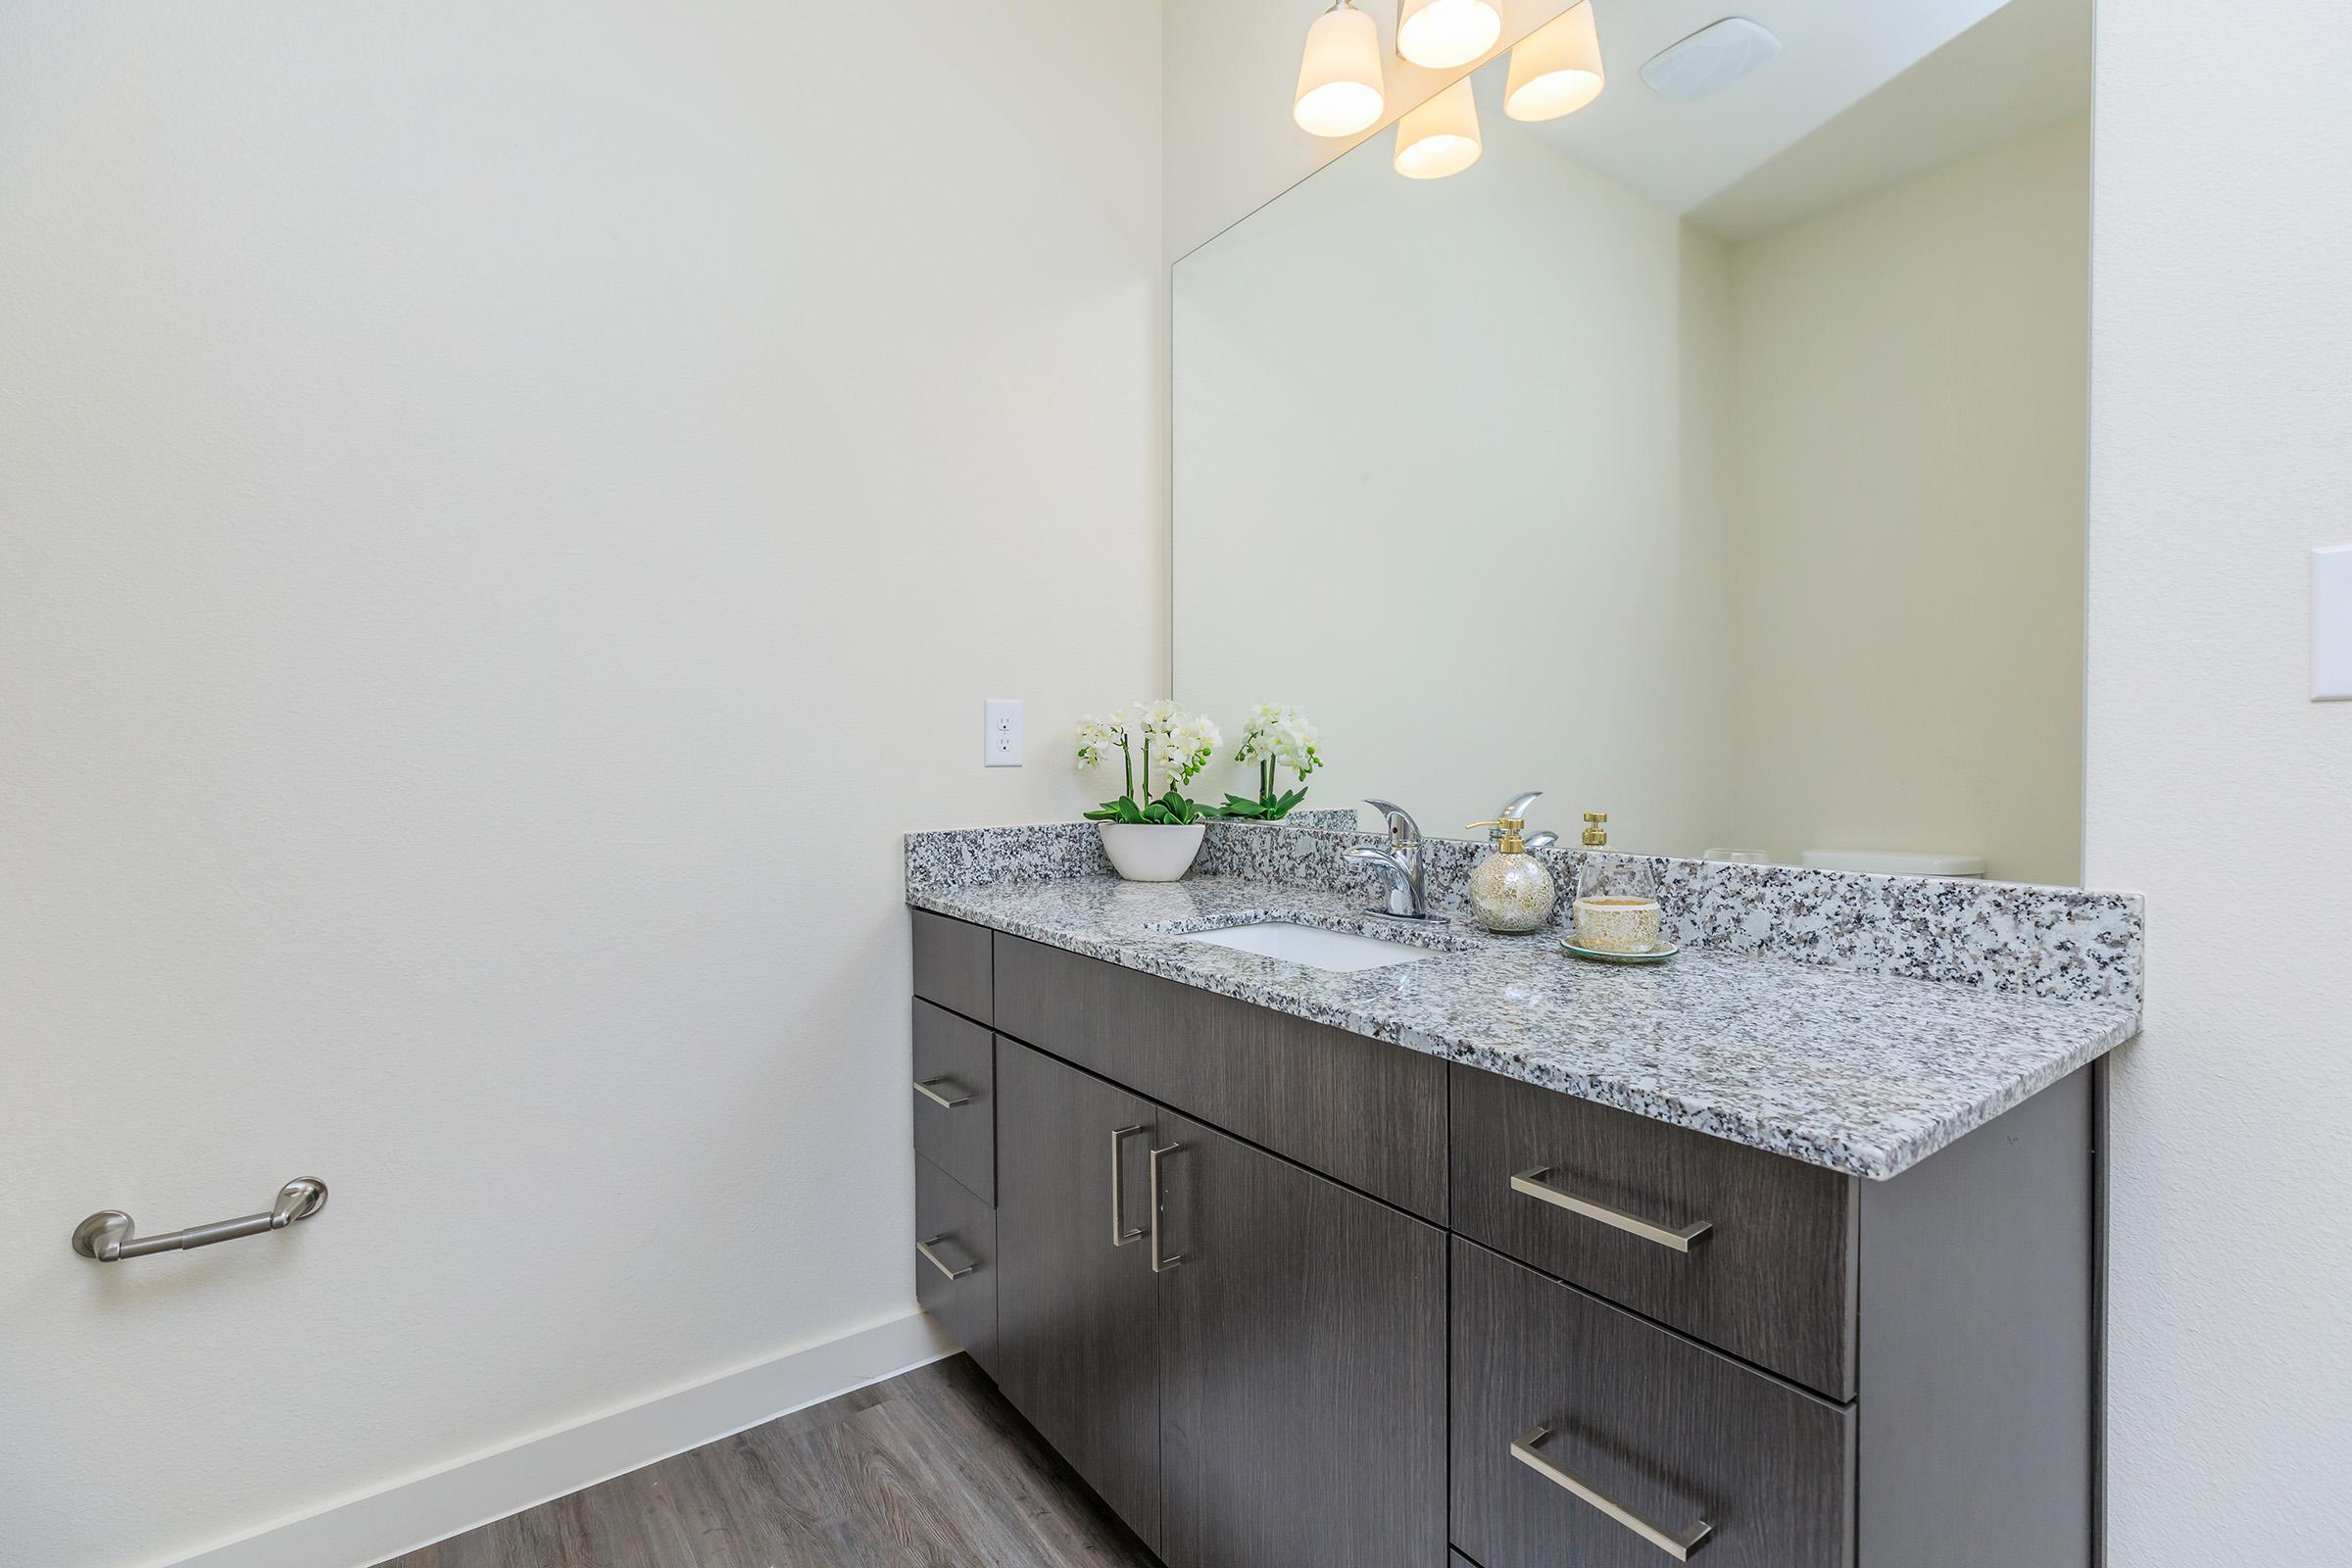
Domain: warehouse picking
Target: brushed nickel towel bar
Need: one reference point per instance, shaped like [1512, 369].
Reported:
[106, 1237]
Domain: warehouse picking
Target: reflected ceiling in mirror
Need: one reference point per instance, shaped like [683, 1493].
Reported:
[1716, 463]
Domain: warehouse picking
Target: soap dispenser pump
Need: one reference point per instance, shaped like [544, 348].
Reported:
[1511, 890]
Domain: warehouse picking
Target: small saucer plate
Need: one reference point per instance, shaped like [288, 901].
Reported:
[1657, 955]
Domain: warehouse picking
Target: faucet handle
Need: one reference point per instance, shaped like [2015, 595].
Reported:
[1401, 826]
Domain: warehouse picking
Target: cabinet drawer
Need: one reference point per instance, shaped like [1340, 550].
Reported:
[1368, 1115]
[1656, 1430]
[951, 964]
[956, 1097]
[957, 1283]
[1771, 1279]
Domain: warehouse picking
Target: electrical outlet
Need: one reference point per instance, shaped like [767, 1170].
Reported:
[1001, 737]
[2332, 625]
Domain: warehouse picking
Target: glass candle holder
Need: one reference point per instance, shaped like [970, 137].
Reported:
[1616, 909]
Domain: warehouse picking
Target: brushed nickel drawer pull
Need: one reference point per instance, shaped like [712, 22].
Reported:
[928, 1087]
[936, 1261]
[1680, 1547]
[108, 1237]
[1159, 1264]
[1121, 1233]
[1532, 1182]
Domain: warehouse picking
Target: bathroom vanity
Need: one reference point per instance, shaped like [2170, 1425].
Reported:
[1488, 1253]
[1718, 467]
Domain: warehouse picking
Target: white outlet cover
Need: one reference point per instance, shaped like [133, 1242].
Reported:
[2332, 625]
[1001, 732]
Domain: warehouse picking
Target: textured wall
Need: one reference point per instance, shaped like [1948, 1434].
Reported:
[2221, 395]
[507, 514]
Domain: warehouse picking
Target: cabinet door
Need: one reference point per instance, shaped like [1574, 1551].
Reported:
[1077, 1347]
[1302, 1343]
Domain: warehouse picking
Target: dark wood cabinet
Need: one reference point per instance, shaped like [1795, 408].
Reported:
[955, 1098]
[1302, 1404]
[1409, 1314]
[1077, 1325]
[953, 965]
[956, 1260]
[1682, 1438]
[1360, 1112]
[1772, 1278]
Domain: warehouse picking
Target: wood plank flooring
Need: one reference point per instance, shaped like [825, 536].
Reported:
[931, 1469]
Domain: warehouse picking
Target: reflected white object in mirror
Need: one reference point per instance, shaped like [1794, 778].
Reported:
[1441, 136]
[1556, 70]
[1444, 33]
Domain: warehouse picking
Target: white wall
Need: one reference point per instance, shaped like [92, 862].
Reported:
[507, 514]
[1909, 482]
[1231, 67]
[2221, 395]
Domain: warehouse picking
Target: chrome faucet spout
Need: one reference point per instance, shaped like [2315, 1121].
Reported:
[1401, 859]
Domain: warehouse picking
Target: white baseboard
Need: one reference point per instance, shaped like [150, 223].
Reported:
[367, 1529]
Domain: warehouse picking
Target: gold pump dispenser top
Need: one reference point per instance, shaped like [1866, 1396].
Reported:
[1508, 841]
[1596, 834]
[1511, 820]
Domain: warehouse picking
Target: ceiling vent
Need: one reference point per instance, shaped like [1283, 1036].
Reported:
[1711, 59]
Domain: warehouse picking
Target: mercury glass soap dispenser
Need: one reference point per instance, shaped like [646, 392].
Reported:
[1511, 890]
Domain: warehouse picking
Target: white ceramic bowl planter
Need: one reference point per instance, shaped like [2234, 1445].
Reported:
[1150, 837]
[1151, 852]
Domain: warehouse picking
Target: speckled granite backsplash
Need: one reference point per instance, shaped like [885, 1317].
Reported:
[2005, 937]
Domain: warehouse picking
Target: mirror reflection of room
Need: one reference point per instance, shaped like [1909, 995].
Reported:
[1715, 461]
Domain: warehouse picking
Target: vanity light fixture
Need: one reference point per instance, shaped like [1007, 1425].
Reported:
[1444, 33]
[1441, 136]
[1339, 79]
[1555, 70]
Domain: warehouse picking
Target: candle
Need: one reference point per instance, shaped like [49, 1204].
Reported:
[1616, 923]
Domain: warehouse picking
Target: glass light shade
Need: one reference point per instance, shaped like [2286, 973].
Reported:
[1440, 33]
[1440, 137]
[1339, 78]
[1555, 70]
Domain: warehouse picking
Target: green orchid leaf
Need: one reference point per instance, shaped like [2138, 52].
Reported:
[1122, 809]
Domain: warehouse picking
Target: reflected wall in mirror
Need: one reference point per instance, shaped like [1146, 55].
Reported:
[1717, 464]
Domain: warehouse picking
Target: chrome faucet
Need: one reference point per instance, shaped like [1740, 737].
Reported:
[1401, 859]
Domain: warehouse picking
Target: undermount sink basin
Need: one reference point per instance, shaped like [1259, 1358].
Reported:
[1340, 952]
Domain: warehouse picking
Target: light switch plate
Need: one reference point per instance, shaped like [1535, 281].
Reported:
[1001, 738]
[2332, 625]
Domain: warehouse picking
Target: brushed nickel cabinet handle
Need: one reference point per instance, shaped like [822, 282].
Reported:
[1121, 1233]
[1679, 1547]
[1160, 1265]
[1533, 1184]
[936, 1261]
[928, 1087]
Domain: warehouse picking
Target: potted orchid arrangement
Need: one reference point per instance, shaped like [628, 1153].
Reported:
[1277, 736]
[1150, 837]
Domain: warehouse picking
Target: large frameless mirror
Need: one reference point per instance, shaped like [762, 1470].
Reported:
[1711, 456]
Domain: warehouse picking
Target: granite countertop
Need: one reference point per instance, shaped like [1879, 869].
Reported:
[1862, 1073]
